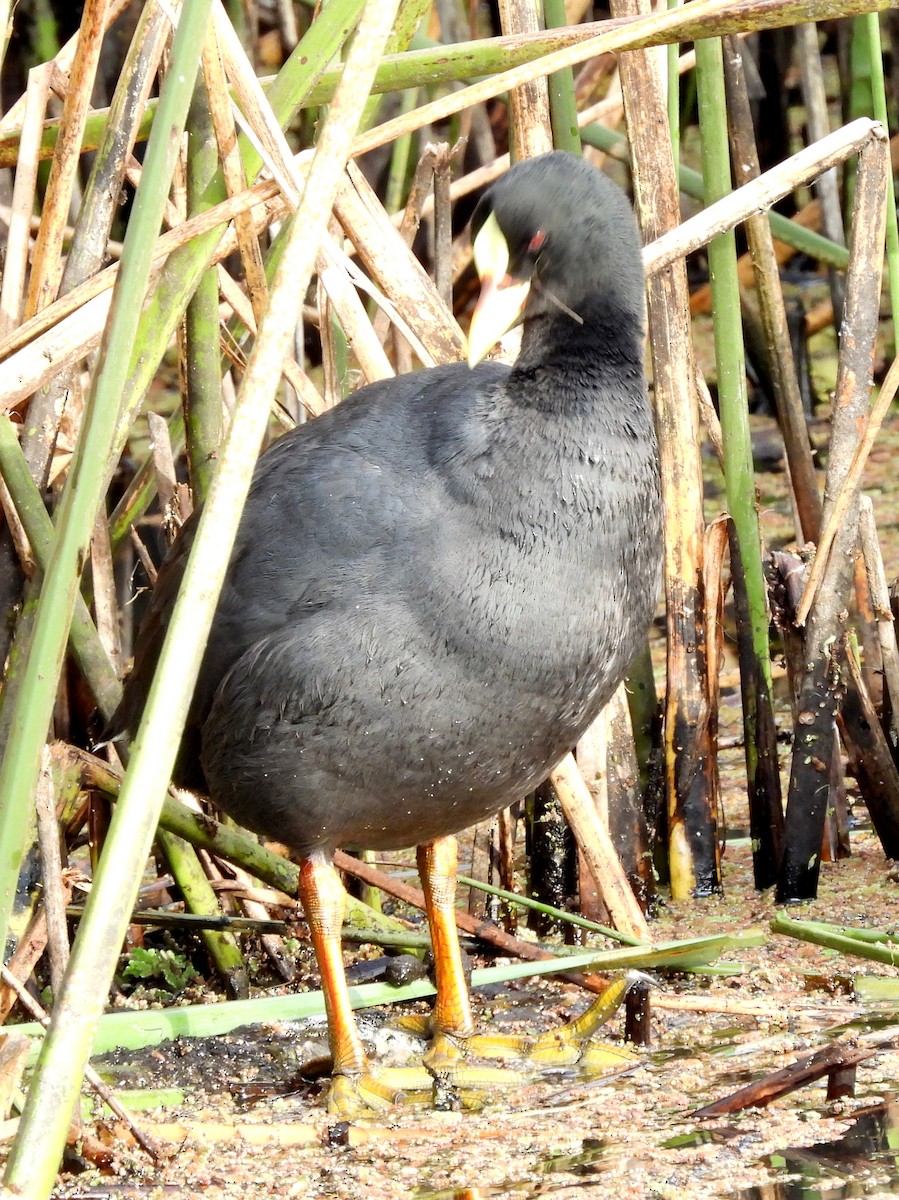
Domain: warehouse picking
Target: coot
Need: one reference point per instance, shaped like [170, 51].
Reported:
[437, 585]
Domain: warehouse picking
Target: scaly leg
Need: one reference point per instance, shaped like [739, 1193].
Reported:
[437, 863]
[452, 1018]
[451, 1021]
[324, 901]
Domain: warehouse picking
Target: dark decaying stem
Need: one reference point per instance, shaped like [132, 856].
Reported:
[870, 760]
[690, 777]
[866, 633]
[884, 621]
[627, 815]
[552, 858]
[607, 760]
[646, 727]
[638, 1015]
[766, 817]
[813, 740]
[502, 861]
[480, 867]
[836, 1058]
[869, 755]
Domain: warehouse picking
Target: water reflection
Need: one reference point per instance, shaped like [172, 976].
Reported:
[863, 1162]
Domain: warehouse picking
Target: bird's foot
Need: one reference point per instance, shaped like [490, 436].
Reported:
[572, 1045]
[451, 1077]
[443, 1079]
[376, 1089]
[354, 1095]
[569, 1045]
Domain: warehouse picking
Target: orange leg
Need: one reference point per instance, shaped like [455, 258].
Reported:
[324, 901]
[437, 862]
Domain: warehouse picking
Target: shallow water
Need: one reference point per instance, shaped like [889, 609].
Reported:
[863, 1162]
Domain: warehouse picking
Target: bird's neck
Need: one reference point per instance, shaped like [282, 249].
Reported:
[574, 360]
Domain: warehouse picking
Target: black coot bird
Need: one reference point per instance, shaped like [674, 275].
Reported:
[437, 585]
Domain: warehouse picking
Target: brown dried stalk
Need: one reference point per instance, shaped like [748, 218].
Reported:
[780, 1083]
[46, 270]
[844, 498]
[771, 303]
[395, 269]
[18, 240]
[530, 126]
[232, 169]
[596, 846]
[690, 778]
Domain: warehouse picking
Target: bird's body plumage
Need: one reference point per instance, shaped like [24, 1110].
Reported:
[417, 672]
[420, 613]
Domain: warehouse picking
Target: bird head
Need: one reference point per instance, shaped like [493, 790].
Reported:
[548, 237]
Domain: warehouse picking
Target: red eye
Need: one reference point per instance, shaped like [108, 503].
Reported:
[537, 242]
